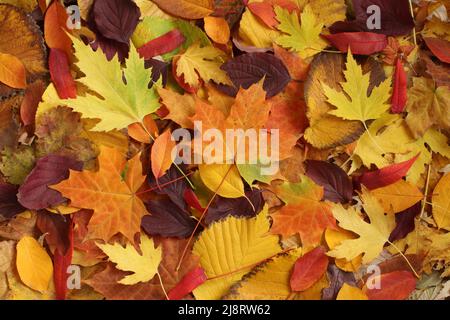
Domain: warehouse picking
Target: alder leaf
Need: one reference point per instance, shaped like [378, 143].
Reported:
[143, 265]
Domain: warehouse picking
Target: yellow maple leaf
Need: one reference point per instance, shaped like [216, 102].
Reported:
[372, 236]
[201, 61]
[117, 104]
[355, 103]
[144, 266]
[304, 38]
[230, 248]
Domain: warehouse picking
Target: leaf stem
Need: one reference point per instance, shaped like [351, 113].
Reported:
[406, 259]
[162, 286]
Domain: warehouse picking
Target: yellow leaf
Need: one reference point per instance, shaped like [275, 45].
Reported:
[270, 281]
[230, 248]
[254, 33]
[353, 103]
[144, 266]
[33, 264]
[223, 179]
[441, 202]
[398, 196]
[150, 9]
[335, 238]
[27, 5]
[12, 71]
[206, 61]
[181, 107]
[121, 104]
[217, 29]
[372, 236]
[328, 11]
[304, 38]
[348, 292]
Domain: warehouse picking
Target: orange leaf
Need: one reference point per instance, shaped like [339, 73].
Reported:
[395, 285]
[141, 134]
[12, 71]
[161, 155]
[309, 269]
[117, 208]
[304, 212]
[55, 28]
[217, 29]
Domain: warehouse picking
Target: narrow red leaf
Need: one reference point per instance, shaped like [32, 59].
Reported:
[387, 175]
[191, 199]
[439, 47]
[399, 91]
[163, 44]
[365, 43]
[60, 74]
[309, 269]
[61, 261]
[189, 282]
[396, 285]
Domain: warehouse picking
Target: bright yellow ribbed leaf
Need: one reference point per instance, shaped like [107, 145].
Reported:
[224, 179]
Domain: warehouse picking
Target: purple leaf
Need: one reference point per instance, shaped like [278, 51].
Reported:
[110, 47]
[9, 206]
[337, 185]
[250, 68]
[337, 278]
[395, 18]
[56, 227]
[167, 219]
[160, 69]
[237, 207]
[405, 222]
[34, 193]
[172, 185]
[116, 19]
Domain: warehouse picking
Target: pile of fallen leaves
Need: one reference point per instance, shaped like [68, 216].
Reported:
[92, 205]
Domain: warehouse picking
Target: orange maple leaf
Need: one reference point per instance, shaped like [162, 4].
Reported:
[304, 212]
[117, 208]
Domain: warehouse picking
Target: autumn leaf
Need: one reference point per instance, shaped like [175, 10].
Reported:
[304, 212]
[396, 285]
[161, 154]
[372, 236]
[223, 179]
[398, 196]
[12, 71]
[308, 269]
[143, 265]
[441, 204]
[355, 103]
[116, 206]
[189, 9]
[348, 292]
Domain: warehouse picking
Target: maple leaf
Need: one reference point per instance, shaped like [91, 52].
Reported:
[120, 104]
[304, 38]
[355, 103]
[427, 106]
[205, 61]
[116, 206]
[143, 265]
[372, 236]
[304, 212]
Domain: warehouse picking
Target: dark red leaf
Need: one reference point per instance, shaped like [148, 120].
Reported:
[387, 175]
[337, 185]
[189, 282]
[365, 43]
[56, 229]
[160, 69]
[58, 64]
[34, 193]
[61, 262]
[250, 68]
[395, 18]
[398, 103]
[116, 19]
[163, 44]
[439, 47]
[237, 207]
[308, 269]
[405, 222]
[167, 219]
[396, 285]
[9, 206]
[191, 199]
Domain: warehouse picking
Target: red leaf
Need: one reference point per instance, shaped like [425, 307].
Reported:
[33, 95]
[395, 285]
[265, 12]
[387, 175]
[309, 269]
[191, 199]
[189, 282]
[163, 44]
[365, 43]
[60, 74]
[440, 48]
[399, 91]
[60, 264]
